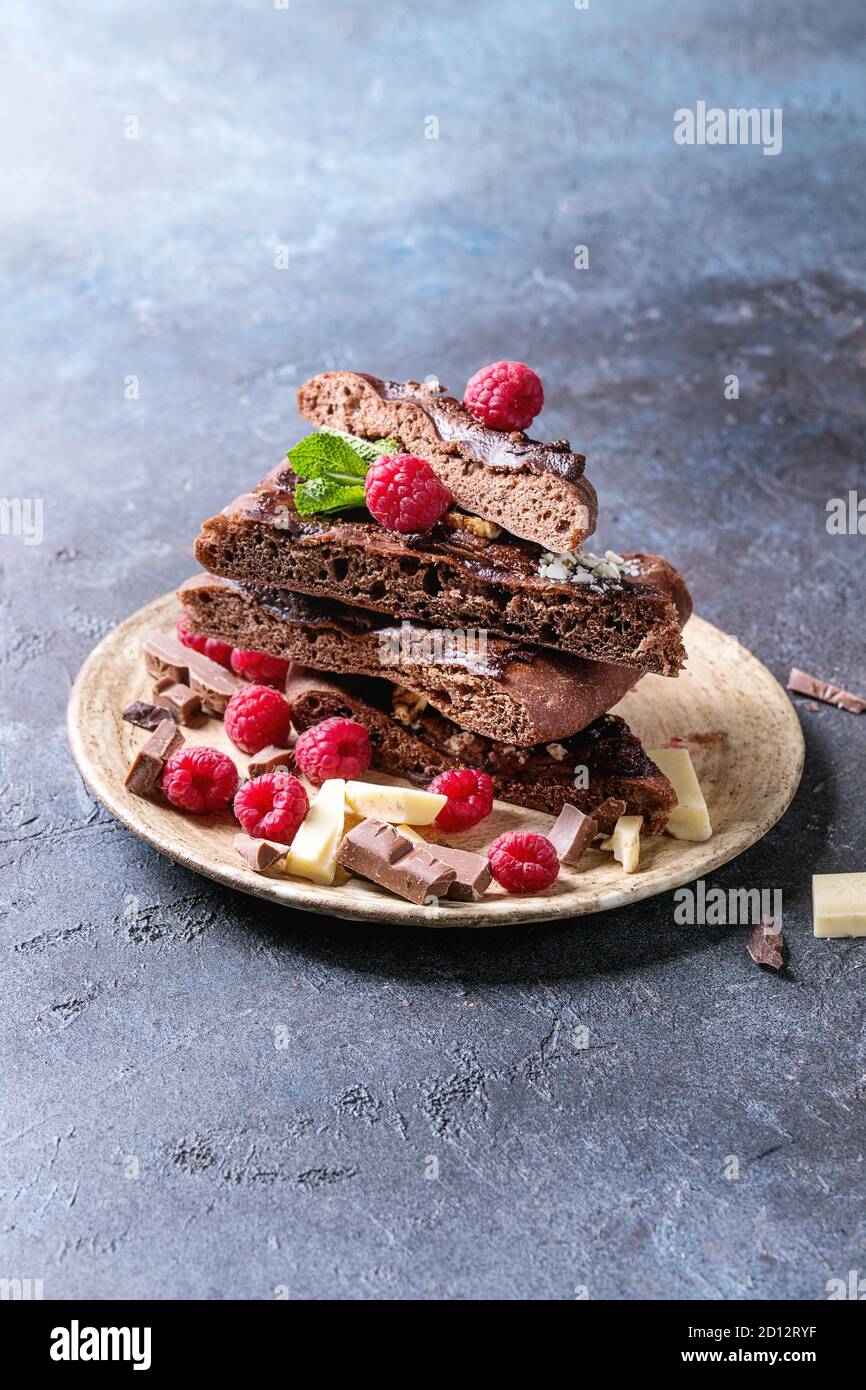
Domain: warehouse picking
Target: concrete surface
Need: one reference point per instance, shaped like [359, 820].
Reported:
[158, 1139]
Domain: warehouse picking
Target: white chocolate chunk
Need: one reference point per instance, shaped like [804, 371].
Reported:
[313, 853]
[412, 834]
[839, 904]
[394, 804]
[690, 819]
[625, 842]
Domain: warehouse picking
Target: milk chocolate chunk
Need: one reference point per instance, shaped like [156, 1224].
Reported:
[803, 684]
[532, 489]
[472, 873]
[164, 655]
[377, 851]
[181, 702]
[765, 944]
[260, 855]
[146, 770]
[572, 833]
[608, 812]
[269, 760]
[146, 716]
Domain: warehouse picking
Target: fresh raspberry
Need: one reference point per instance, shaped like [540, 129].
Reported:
[335, 748]
[404, 494]
[505, 395]
[208, 646]
[259, 667]
[272, 807]
[470, 797]
[199, 779]
[256, 716]
[523, 862]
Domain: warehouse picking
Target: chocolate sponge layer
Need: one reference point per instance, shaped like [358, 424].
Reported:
[532, 489]
[509, 693]
[617, 767]
[448, 579]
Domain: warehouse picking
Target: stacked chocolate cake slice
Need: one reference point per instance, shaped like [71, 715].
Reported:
[489, 640]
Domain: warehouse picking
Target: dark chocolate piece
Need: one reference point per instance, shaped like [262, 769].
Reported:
[181, 702]
[260, 855]
[144, 715]
[146, 770]
[765, 944]
[572, 833]
[803, 684]
[269, 759]
[472, 870]
[377, 851]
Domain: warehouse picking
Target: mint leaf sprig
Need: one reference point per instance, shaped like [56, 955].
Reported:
[332, 467]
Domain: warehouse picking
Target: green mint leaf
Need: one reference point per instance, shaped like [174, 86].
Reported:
[326, 495]
[326, 456]
[332, 467]
[363, 448]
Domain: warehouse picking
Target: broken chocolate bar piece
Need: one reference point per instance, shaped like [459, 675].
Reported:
[571, 833]
[146, 770]
[269, 760]
[803, 684]
[472, 870]
[377, 851]
[260, 855]
[144, 715]
[765, 944]
[181, 702]
[608, 812]
[164, 655]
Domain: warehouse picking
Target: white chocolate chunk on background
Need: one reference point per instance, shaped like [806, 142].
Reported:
[313, 852]
[394, 804]
[839, 904]
[625, 842]
[690, 819]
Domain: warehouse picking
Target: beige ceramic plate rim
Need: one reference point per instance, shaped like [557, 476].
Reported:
[682, 862]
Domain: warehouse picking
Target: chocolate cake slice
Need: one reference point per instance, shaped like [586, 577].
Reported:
[630, 617]
[516, 694]
[533, 490]
[542, 778]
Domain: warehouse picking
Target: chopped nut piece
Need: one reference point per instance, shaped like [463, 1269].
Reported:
[475, 525]
[581, 567]
[458, 743]
[406, 704]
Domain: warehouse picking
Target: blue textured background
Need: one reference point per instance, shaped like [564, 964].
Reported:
[304, 1167]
